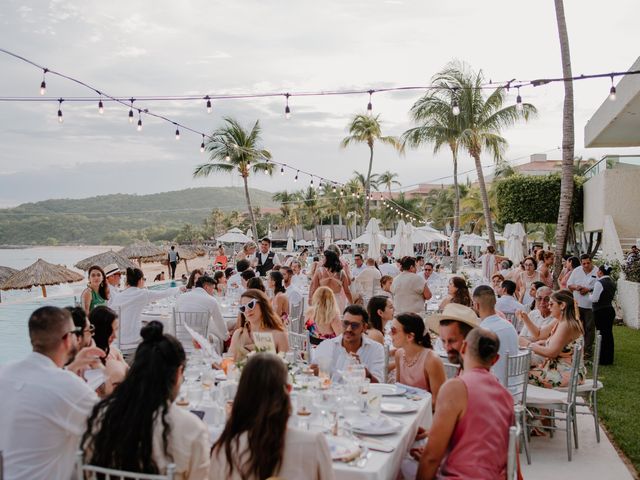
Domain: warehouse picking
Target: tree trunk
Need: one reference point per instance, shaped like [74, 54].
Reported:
[566, 184]
[456, 215]
[485, 199]
[367, 187]
[252, 219]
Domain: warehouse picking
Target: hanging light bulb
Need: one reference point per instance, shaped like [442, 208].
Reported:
[43, 84]
[227, 158]
[281, 170]
[60, 119]
[519, 105]
[311, 183]
[353, 194]
[342, 192]
[295, 179]
[177, 133]
[139, 121]
[100, 107]
[287, 110]
[612, 91]
[209, 107]
[370, 104]
[455, 108]
[202, 144]
[334, 189]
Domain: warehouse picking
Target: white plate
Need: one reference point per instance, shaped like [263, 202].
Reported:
[387, 389]
[220, 375]
[342, 448]
[397, 405]
[381, 425]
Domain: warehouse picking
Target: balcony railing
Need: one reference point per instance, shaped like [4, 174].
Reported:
[612, 161]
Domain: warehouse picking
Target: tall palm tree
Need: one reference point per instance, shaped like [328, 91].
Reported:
[242, 149]
[288, 207]
[388, 179]
[366, 129]
[481, 120]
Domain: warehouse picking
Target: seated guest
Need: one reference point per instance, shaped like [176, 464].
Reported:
[45, 408]
[385, 284]
[298, 279]
[484, 301]
[322, 319]
[256, 442]
[496, 283]
[387, 268]
[368, 280]
[235, 280]
[409, 289]
[558, 349]
[416, 363]
[294, 295]
[256, 283]
[80, 320]
[257, 315]
[279, 301]
[380, 310]
[431, 277]
[159, 277]
[193, 278]
[158, 432]
[507, 303]
[537, 323]
[97, 291]
[532, 293]
[453, 325]
[353, 345]
[221, 282]
[201, 299]
[358, 266]
[221, 259]
[105, 326]
[458, 292]
[471, 409]
[245, 277]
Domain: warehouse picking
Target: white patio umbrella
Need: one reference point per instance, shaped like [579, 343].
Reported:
[472, 240]
[402, 241]
[249, 233]
[513, 250]
[343, 243]
[373, 238]
[290, 241]
[327, 238]
[304, 243]
[234, 235]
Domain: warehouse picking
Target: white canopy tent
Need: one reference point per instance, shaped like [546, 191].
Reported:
[514, 249]
[290, 241]
[403, 240]
[304, 243]
[343, 243]
[249, 233]
[234, 235]
[373, 238]
[472, 240]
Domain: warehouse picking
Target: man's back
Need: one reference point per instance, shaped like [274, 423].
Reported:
[508, 341]
[389, 269]
[198, 300]
[508, 304]
[43, 413]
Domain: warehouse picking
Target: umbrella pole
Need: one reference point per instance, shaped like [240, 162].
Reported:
[44, 291]
[186, 267]
[140, 263]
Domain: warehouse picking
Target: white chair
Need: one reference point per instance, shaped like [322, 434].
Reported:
[197, 321]
[127, 353]
[514, 321]
[557, 401]
[385, 372]
[516, 380]
[451, 370]
[295, 316]
[91, 472]
[512, 464]
[299, 342]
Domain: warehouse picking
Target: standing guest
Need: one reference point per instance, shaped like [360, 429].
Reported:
[249, 249]
[104, 323]
[526, 278]
[489, 261]
[294, 295]
[409, 289]
[368, 280]
[387, 268]
[353, 346]
[267, 258]
[419, 262]
[581, 283]
[235, 280]
[458, 292]
[484, 300]
[97, 291]
[44, 407]
[193, 278]
[85, 329]
[507, 302]
[634, 255]
[604, 314]
[298, 279]
[322, 319]
[430, 276]
[385, 284]
[279, 301]
[303, 259]
[221, 259]
[220, 281]
[257, 442]
[131, 301]
[471, 409]
[257, 315]
[416, 363]
[571, 264]
[380, 309]
[359, 266]
[332, 274]
[113, 274]
[173, 257]
[546, 275]
[158, 432]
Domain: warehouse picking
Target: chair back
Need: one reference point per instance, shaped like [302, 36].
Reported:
[512, 464]
[572, 389]
[299, 342]
[197, 321]
[596, 360]
[295, 314]
[511, 317]
[517, 375]
[294, 325]
[93, 472]
[451, 370]
[385, 372]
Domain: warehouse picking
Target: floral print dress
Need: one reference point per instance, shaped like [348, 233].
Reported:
[556, 372]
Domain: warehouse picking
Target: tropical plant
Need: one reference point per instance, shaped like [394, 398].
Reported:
[367, 129]
[388, 179]
[288, 207]
[233, 148]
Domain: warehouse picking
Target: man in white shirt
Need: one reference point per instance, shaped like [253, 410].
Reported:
[358, 267]
[235, 280]
[353, 346]
[266, 257]
[292, 291]
[387, 268]
[43, 408]
[581, 283]
[113, 274]
[298, 279]
[368, 281]
[484, 300]
[507, 303]
[431, 277]
[201, 299]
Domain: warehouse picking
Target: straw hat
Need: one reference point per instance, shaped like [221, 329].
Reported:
[454, 311]
[111, 269]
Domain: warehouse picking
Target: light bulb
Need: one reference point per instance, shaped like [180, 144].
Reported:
[139, 124]
[202, 145]
[43, 87]
[60, 119]
[334, 189]
[281, 170]
[519, 106]
[209, 105]
[612, 93]
[177, 134]
[295, 179]
[100, 107]
[455, 109]
[227, 158]
[287, 110]
[130, 115]
[311, 182]
[370, 105]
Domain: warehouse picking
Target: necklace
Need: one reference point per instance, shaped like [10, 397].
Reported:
[410, 363]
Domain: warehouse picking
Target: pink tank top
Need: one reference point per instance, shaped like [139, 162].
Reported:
[413, 375]
[480, 440]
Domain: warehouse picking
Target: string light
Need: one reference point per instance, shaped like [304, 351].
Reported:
[202, 144]
[43, 84]
[131, 112]
[287, 110]
[311, 183]
[177, 133]
[281, 170]
[139, 121]
[60, 119]
[519, 106]
[334, 188]
[370, 105]
[100, 107]
[455, 108]
[295, 179]
[612, 91]
[209, 107]
[227, 158]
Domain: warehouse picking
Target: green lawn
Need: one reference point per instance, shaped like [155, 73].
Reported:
[619, 400]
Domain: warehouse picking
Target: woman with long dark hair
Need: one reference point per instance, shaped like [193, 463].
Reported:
[458, 292]
[256, 443]
[138, 428]
[97, 291]
[380, 309]
[193, 278]
[279, 301]
[105, 324]
[331, 274]
[416, 363]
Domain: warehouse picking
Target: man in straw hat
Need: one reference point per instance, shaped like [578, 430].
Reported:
[113, 274]
[453, 325]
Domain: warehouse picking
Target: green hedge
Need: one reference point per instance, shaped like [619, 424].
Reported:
[531, 199]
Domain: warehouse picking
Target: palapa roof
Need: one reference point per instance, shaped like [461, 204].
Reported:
[186, 252]
[141, 250]
[6, 272]
[104, 259]
[40, 273]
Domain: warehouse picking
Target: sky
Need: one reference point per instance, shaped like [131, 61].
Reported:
[157, 47]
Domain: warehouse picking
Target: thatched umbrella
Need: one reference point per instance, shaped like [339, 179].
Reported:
[200, 250]
[40, 273]
[104, 259]
[141, 251]
[6, 272]
[186, 253]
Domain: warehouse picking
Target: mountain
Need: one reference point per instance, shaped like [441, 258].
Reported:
[118, 218]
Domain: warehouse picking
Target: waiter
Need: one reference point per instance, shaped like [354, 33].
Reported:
[266, 257]
[604, 314]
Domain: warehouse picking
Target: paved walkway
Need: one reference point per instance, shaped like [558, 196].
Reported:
[591, 460]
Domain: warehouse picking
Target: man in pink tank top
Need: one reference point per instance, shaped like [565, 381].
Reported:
[469, 437]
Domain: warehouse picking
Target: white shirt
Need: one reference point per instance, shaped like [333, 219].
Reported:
[371, 355]
[508, 304]
[597, 290]
[539, 321]
[388, 269]
[130, 302]
[43, 414]
[263, 257]
[508, 342]
[299, 280]
[369, 281]
[355, 270]
[294, 295]
[198, 300]
[579, 277]
[433, 281]
[235, 280]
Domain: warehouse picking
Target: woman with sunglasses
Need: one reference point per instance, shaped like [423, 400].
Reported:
[525, 279]
[256, 442]
[97, 291]
[104, 323]
[416, 363]
[257, 315]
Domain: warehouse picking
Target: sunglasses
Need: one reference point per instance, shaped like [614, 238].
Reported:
[75, 331]
[249, 306]
[354, 325]
[91, 330]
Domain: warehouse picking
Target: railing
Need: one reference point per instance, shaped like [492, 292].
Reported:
[611, 161]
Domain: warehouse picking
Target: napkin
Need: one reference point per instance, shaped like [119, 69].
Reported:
[204, 344]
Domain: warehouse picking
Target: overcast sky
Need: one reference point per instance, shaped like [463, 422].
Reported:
[144, 47]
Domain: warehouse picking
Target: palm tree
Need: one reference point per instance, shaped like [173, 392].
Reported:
[230, 148]
[366, 129]
[288, 203]
[388, 179]
[481, 120]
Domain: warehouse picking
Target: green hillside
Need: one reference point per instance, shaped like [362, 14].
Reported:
[119, 218]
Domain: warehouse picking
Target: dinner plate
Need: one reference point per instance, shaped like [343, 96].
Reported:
[397, 405]
[379, 425]
[343, 449]
[387, 389]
